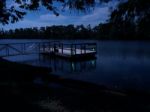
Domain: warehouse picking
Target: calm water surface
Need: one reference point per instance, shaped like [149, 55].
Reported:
[120, 65]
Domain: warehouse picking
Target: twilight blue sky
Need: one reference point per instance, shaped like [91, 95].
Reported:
[44, 17]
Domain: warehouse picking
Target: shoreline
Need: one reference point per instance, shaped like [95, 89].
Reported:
[53, 93]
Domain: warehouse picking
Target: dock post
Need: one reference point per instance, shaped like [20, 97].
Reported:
[80, 49]
[39, 50]
[7, 50]
[96, 48]
[39, 47]
[21, 46]
[71, 49]
[84, 48]
[24, 48]
[75, 48]
[44, 46]
[62, 47]
[54, 47]
[49, 45]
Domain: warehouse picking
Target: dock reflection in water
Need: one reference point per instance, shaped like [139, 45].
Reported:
[63, 66]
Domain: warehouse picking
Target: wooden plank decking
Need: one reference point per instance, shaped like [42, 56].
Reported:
[71, 50]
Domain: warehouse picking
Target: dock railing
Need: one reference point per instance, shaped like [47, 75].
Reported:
[13, 49]
[74, 48]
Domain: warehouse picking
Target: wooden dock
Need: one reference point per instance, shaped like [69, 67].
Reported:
[80, 50]
[55, 48]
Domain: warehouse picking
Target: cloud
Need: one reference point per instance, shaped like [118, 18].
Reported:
[44, 18]
[24, 24]
[52, 17]
[99, 15]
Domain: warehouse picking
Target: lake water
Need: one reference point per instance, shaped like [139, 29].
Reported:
[119, 65]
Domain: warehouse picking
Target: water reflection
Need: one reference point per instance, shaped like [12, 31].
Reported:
[60, 65]
[122, 65]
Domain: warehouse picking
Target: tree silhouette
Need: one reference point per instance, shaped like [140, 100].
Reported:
[16, 12]
[132, 18]
[9, 14]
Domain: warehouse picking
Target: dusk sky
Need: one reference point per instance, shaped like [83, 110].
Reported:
[44, 17]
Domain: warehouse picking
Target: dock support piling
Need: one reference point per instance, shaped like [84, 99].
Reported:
[81, 48]
[7, 50]
[75, 48]
[71, 49]
[62, 47]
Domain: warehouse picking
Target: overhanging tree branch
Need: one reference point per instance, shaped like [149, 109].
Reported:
[13, 14]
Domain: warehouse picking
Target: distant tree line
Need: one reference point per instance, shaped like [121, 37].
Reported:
[107, 31]
[50, 32]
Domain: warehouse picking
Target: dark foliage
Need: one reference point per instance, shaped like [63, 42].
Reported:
[16, 12]
[131, 18]
[9, 14]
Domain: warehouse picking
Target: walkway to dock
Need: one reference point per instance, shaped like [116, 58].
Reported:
[48, 48]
